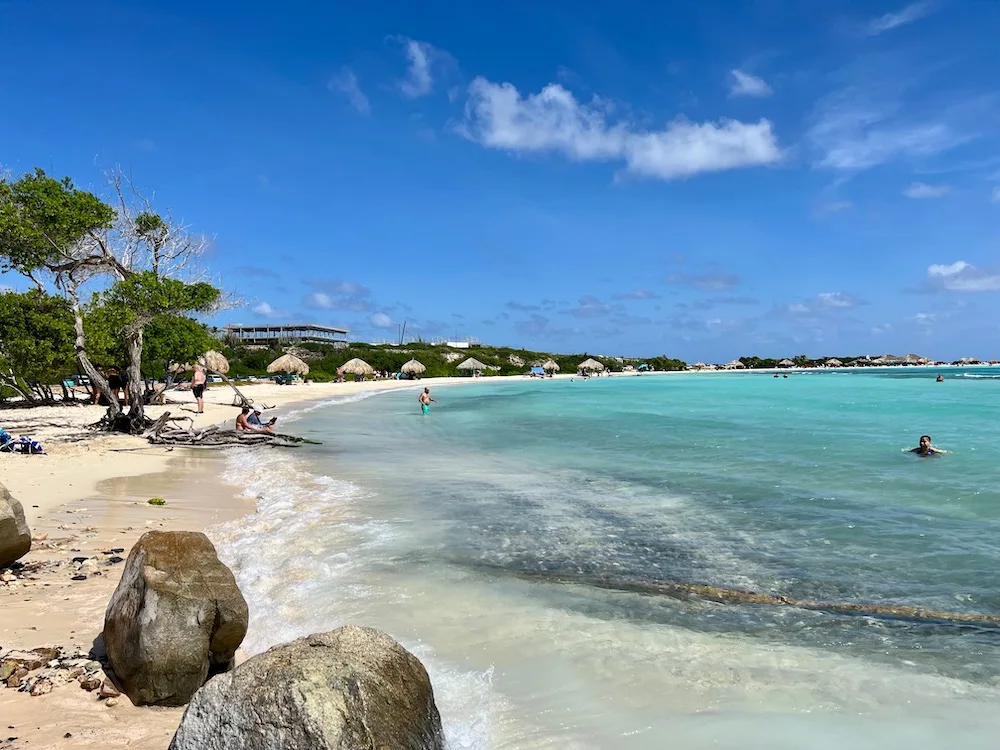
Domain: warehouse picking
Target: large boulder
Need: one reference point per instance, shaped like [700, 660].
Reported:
[176, 616]
[15, 537]
[351, 689]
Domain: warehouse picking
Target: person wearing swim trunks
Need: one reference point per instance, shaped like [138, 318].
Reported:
[425, 402]
[198, 387]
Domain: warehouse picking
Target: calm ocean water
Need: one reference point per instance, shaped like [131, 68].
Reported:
[476, 536]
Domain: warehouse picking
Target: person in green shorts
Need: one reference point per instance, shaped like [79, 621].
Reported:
[425, 401]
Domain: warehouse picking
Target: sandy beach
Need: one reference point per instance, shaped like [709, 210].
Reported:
[87, 498]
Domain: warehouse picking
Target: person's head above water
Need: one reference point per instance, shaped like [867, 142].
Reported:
[427, 390]
[925, 441]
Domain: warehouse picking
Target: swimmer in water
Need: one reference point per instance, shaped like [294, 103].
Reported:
[940, 378]
[425, 401]
[925, 448]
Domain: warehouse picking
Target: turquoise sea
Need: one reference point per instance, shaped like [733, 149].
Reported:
[510, 539]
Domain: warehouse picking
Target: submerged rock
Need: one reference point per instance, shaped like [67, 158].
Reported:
[15, 537]
[176, 616]
[351, 689]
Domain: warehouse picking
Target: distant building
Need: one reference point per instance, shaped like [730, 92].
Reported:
[266, 335]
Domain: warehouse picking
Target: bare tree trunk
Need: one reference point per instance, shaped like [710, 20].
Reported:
[135, 387]
[97, 379]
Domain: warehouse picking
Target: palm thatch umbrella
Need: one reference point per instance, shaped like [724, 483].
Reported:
[413, 367]
[834, 363]
[590, 365]
[786, 363]
[472, 364]
[550, 366]
[735, 365]
[214, 361]
[288, 363]
[357, 367]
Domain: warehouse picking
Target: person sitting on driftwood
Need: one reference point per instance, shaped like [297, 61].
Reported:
[250, 421]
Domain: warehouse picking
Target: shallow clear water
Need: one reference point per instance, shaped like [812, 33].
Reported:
[512, 537]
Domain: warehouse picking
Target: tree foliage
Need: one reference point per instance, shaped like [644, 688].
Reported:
[36, 343]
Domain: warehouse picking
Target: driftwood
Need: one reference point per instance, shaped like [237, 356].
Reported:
[723, 595]
[216, 437]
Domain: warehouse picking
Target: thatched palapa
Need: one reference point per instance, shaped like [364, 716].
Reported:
[212, 360]
[413, 367]
[288, 363]
[590, 365]
[550, 366]
[834, 363]
[472, 364]
[786, 363]
[357, 367]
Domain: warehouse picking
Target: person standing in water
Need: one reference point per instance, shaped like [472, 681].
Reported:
[425, 401]
[198, 387]
[925, 448]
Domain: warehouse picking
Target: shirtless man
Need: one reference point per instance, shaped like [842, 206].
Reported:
[425, 402]
[925, 448]
[198, 387]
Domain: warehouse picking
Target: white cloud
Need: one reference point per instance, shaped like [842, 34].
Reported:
[381, 320]
[923, 190]
[963, 277]
[909, 14]
[996, 194]
[319, 300]
[497, 116]
[4, 289]
[882, 328]
[264, 310]
[868, 123]
[419, 81]
[745, 84]
[346, 82]
[955, 268]
[836, 300]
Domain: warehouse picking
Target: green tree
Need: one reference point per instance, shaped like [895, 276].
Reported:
[36, 343]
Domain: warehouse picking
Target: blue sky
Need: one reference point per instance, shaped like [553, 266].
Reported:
[705, 179]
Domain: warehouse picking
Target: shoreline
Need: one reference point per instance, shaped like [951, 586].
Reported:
[86, 497]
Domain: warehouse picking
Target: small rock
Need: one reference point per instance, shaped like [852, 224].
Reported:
[67, 735]
[7, 668]
[8, 577]
[14, 681]
[93, 666]
[116, 559]
[54, 664]
[113, 551]
[108, 690]
[42, 686]
[111, 702]
[75, 673]
[80, 559]
[91, 684]
[90, 565]
[79, 578]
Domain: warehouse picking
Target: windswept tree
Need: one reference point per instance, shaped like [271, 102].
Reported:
[147, 264]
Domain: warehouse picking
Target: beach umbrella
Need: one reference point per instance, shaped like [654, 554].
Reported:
[590, 365]
[288, 363]
[550, 366]
[471, 364]
[834, 363]
[214, 361]
[357, 367]
[786, 363]
[413, 367]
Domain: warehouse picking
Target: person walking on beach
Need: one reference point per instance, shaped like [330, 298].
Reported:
[425, 401]
[925, 448]
[198, 387]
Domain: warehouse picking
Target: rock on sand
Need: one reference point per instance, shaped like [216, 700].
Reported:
[176, 616]
[15, 538]
[350, 688]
